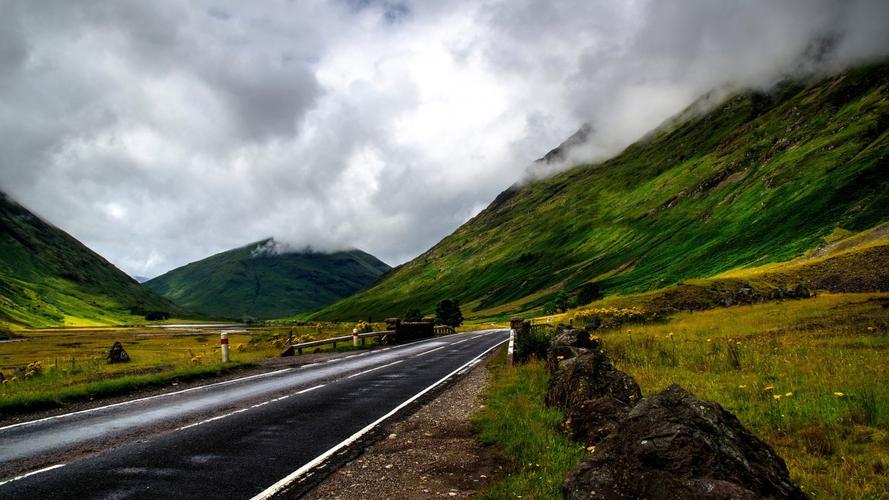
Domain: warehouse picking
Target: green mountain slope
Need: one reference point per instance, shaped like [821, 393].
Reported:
[762, 178]
[257, 281]
[48, 278]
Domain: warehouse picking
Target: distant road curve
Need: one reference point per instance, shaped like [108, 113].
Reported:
[244, 438]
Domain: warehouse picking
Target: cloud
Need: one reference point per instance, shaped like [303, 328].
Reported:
[160, 133]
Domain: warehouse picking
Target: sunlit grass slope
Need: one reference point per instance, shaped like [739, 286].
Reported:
[256, 281]
[807, 376]
[761, 178]
[48, 278]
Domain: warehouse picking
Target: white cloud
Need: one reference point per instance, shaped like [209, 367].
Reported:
[160, 133]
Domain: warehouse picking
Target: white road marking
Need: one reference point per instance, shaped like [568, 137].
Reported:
[242, 410]
[32, 473]
[122, 403]
[374, 369]
[430, 350]
[280, 485]
[464, 340]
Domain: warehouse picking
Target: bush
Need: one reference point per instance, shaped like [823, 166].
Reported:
[447, 312]
[588, 293]
[413, 315]
[532, 343]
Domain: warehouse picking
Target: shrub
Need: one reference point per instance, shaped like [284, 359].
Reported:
[447, 312]
[532, 343]
[413, 315]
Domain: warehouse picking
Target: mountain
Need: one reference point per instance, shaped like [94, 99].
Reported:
[263, 281]
[762, 177]
[48, 278]
[140, 279]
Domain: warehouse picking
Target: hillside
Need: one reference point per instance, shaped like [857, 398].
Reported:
[762, 178]
[255, 280]
[48, 278]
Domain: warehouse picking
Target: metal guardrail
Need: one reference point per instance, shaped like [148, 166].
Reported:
[298, 348]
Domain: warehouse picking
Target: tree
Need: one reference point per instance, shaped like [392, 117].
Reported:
[447, 312]
[561, 301]
[588, 293]
[412, 315]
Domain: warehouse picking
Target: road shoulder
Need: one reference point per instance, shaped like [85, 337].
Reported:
[432, 452]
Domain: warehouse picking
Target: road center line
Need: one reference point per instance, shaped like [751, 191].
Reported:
[430, 350]
[374, 369]
[51, 467]
[242, 410]
[461, 341]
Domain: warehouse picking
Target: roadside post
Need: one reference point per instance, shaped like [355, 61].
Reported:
[223, 343]
[354, 337]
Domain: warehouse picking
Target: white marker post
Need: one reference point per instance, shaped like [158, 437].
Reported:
[354, 337]
[223, 343]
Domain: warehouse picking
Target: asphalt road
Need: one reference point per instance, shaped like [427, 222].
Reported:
[235, 439]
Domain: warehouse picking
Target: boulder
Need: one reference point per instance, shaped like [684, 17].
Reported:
[674, 445]
[117, 354]
[595, 419]
[567, 344]
[589, 376]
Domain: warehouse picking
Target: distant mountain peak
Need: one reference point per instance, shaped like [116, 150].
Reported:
[560, 152]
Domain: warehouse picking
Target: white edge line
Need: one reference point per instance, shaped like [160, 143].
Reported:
[51, 467]
[374, 369]
[122, 403]
[280, 485]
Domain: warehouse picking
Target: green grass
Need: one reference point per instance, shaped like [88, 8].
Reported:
[247, 282]
[759, 179]
[48, 278]
[74, 367]
[524, 433]
[40, 399]
[777, 366]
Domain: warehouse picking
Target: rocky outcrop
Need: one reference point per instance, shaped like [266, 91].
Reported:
[594, 395]
[674, 445]
[670, 445]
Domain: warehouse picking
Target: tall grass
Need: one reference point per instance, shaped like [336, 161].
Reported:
[809, 377]
[524, 432]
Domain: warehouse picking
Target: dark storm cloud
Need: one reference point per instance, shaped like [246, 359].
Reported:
[159, 133]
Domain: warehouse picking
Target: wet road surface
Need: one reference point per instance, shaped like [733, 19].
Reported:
[233, 439]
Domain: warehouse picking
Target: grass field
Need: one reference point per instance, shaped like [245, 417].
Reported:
[807, 376]
[56, 365]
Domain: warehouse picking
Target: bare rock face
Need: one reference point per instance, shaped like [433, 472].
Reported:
[674, 445]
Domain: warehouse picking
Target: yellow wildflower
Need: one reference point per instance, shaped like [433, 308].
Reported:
[777, 397]
[769, 388]
[591, 449]
[560, 358]
[788, 395]
[742, 386]
[839, 394]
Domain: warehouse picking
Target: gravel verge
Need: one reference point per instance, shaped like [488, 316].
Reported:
[431, 453]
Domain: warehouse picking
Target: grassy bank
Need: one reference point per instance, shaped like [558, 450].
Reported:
[524, 432]
[51, 367]
[807, 376]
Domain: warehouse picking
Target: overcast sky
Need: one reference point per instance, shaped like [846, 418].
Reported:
[161, 132]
